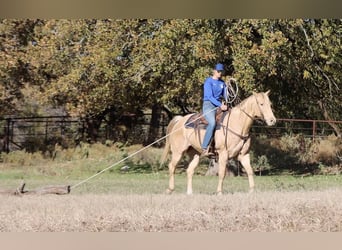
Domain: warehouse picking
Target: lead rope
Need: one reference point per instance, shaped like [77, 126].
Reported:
[133, 154]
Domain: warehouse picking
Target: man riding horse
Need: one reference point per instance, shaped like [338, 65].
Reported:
[214, 89]
[232, 137]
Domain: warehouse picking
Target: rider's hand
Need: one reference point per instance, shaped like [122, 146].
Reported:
[224, 107]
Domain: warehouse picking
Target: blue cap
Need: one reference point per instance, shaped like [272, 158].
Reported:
[219, 66]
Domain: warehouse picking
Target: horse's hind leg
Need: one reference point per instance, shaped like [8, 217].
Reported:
[190, 171]
[246, 163]
[172, 168]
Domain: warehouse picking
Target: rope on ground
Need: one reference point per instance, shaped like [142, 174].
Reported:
[133, 154]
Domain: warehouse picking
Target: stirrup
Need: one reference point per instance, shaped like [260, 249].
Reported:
[207, 153]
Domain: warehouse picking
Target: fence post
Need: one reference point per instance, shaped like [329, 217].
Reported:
[46, 129]
[313, 129]
[7, 136]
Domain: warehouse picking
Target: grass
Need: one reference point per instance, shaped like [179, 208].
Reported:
[144, 175]
[156, 183]
[267, 211]
[134, 201]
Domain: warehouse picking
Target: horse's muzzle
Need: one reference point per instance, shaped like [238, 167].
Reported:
[270, 122]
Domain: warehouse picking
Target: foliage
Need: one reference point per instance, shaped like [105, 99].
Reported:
[14, 69]
[100, 69]
[329, 151]
[297, 155]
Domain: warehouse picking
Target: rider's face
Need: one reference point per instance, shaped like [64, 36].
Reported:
[218, 73]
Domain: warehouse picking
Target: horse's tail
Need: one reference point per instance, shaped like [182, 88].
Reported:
[167, 140]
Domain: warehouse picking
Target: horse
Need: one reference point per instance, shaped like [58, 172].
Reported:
[232, 139]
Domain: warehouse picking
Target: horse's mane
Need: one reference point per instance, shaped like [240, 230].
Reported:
[243, 102]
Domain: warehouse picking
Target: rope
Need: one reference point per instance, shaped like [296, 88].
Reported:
[133, 154]
[231, 93]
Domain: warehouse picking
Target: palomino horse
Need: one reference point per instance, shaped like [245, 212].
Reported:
[232, 140]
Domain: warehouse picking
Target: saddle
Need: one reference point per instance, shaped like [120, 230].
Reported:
[197, 120]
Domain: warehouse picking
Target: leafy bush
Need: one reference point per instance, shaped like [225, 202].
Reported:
[328, 150]
[297, 154]
[290, 143]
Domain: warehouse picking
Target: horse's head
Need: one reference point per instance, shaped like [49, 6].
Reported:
[264, 110]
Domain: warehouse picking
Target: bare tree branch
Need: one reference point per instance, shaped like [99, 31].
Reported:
[307, 40]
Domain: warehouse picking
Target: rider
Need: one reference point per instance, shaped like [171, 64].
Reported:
[214, 88]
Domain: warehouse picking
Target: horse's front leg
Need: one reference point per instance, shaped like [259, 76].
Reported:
[190, 172]
[172, 168]
[223, 157]
[246, 163]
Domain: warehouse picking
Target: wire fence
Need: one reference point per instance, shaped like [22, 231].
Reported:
[43, 133]
[37, 133]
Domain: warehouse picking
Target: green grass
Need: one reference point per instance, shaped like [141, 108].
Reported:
[156, 183]
[70, 167]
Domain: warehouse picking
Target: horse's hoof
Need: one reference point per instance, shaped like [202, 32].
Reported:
[168, 191]
[219, 193]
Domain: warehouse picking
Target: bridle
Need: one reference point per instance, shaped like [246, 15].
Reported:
[243, 137]
[251, 117]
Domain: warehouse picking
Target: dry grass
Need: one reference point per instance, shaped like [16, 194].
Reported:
[268, 211]
[327, 150]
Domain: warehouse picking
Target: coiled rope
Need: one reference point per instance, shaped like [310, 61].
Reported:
[232, 91]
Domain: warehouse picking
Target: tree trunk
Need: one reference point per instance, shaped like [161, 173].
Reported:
[327, 117]
[154, 123]
[92, 126]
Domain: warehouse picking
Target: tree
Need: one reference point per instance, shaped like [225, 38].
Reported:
[299, 60]
[100, 69]
[81, 67]
[14, 68]
[169, 62]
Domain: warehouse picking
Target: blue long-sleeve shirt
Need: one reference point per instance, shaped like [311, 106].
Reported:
[213, 90]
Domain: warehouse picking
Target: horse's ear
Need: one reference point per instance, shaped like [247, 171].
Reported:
[268, 92]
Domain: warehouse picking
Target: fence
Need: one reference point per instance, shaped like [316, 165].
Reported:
[307, 127]
[40, 133]
[36, 133]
